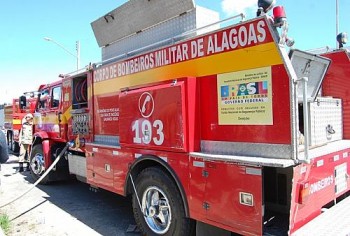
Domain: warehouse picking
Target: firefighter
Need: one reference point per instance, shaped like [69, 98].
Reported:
[25, 141]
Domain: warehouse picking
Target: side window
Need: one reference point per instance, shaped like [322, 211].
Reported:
[56, 97]
[44, 98]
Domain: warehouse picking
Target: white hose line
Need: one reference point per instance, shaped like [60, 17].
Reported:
[41, 178]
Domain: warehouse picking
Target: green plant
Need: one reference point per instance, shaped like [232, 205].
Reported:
[4, 223]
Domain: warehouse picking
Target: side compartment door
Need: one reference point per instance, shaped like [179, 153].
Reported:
[233, 196]
[154, 118]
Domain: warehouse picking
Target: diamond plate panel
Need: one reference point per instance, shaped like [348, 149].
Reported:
[164, 33]
[107, 140]
[340, 173]
[248, 149]
[246, 160]
[311, 66]
[325, 117]
[77, 165]
[136, 15]
[159, 33]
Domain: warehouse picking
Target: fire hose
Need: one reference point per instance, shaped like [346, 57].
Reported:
[42, 177]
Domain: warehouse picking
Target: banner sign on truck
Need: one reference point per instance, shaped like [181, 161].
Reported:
[245, 97]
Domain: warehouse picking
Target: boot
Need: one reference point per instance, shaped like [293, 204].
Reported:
[21, 167]
[28, 167]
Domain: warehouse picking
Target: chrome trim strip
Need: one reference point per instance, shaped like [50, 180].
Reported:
[109, 140]
[244, 160]
[198, 164]
[253, 171]
[293, 101]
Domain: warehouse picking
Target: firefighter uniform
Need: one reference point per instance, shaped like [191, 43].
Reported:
[25, 140]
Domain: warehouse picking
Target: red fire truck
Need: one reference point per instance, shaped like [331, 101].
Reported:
[14, 114]
[221, 129]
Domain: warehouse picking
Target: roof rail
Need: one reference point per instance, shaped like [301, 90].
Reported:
[319, 50]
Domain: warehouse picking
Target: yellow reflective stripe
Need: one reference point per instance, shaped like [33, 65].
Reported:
[247, 58]
[49, 119]
[66, 116]
[16, 121]
[52, 118]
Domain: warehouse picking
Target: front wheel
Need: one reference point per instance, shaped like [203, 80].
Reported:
[162, 210]
[37, 164]
[12, 144]
[15, 146]
[10, 140]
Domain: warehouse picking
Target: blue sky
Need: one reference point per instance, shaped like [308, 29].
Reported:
[27, 60]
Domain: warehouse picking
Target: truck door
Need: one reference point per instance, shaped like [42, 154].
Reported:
[55, 110]
[50, 105]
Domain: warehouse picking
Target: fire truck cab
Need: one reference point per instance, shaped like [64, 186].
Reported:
[50, 133]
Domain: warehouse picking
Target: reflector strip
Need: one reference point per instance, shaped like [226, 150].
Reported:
[319, 163]
[199, 164]
[16, 121]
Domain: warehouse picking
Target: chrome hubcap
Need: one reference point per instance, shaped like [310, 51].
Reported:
[37, 164]
[156, 210]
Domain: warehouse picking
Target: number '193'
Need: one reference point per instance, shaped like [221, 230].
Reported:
[143, 132]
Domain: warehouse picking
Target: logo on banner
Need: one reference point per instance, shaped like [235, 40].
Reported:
[239, 91]
[146, 104]
[245, 97]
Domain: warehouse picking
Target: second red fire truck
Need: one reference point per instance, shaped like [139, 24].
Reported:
[14, 114]
[222, 129]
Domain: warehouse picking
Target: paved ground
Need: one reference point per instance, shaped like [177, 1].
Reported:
[65, 208]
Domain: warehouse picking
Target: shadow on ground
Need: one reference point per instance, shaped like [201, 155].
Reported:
[105, 212]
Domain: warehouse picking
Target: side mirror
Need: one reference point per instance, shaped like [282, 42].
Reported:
[22, 102]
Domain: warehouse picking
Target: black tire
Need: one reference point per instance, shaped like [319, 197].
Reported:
[37, 165]
[155, 185]
[3, 148]
[15, 146]
[9, 140]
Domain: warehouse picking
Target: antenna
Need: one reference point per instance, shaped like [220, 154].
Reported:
[337, 21]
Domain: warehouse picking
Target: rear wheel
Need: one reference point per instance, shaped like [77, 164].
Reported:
[162, 211]
[37, 164]
[10, 140]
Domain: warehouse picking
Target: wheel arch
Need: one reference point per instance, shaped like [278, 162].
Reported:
[147, 161]
[41, 134]
[47, 144]
[49, 150]
[42, 138]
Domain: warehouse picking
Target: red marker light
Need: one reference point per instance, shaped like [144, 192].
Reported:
[279, 15]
